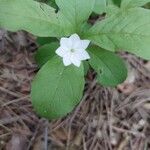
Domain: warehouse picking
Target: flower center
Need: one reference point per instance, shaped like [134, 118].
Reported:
[72, 50]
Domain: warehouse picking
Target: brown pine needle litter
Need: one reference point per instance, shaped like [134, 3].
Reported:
[106, 119]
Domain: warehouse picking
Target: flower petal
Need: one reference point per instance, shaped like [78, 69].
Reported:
[67, 60]
[84, 44]
[75, 61]
[74, 38]
[82, 55]
[60, 51]
[76, 42]
[66, 43]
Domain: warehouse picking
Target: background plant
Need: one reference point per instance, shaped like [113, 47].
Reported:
[56, 88]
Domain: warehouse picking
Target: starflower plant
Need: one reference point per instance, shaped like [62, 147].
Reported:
[69, 42]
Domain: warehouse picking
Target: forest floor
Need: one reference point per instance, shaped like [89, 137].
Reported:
[106, 119]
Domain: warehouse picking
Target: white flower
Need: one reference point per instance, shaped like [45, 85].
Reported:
[73, 50]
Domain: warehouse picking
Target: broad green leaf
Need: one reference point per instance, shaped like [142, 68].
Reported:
[76, 11]
[86, 26]
[57, 89]
[45, 53]
[100, 6]
[110, 68]
[112, 10]
[37, 18]
[133, 3]
[45, 40]
[127, 30]
[86, 67]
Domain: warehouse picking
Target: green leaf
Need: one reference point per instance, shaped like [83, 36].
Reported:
[49, 2]
[111, 10]
[57, 89]
[100, 6]
[110, 68]
[109, 2]
[86, 67]
[114, 2]
[52, 3]
[127, 30]
[117, 2]
[133, 3]
[76, 11]
[45, 40]
[112, 7]
[45, 53]
[37, 18]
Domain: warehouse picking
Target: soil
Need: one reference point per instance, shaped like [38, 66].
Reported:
[106, 119]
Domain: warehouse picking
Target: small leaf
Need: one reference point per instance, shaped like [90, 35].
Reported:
[57, 89]
[110, 68]
[45, 53]
[127, 30]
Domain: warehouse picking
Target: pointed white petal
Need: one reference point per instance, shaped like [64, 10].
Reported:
[76, 42]
[74, 38]
[75, 61]
[82, 55]
[66, 43]
[60, 51]
[67, 60]
[84, 44]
